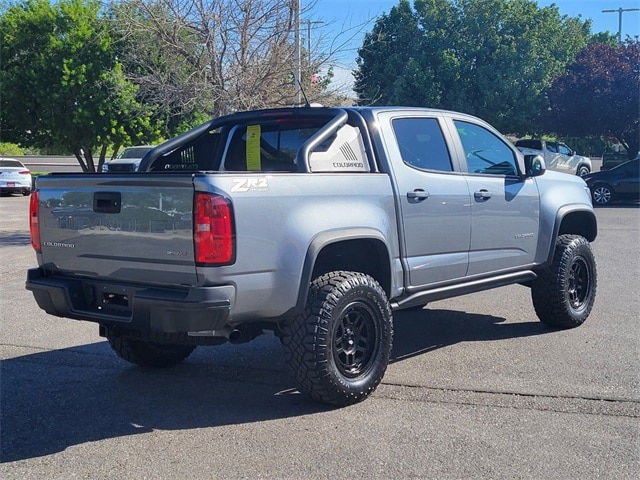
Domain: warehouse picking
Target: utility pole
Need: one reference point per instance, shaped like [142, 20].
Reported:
[309, 24]
[620, 11]
[298, 71]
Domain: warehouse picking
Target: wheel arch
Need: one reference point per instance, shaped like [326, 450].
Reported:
[358, 250]
[576, 220]
[583, 164]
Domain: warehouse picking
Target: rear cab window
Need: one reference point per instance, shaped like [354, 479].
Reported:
[268, 145]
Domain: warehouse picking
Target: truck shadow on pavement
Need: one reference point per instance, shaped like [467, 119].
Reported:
[15, 238]
[61, 398]
[417, 332]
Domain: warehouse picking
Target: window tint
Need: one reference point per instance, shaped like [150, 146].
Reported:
[260, 146]
[421, 143]
[485, 152]
[267, 147]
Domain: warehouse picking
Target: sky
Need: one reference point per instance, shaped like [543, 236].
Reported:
[342, 24]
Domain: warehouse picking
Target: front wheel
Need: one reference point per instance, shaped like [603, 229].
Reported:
[338, 349]
[564, 293]
[149, 354]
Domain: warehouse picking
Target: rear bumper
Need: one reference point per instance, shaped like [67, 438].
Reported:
[15, 189]
[135, 307]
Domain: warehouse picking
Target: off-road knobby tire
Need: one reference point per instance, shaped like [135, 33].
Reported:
[564, 293]
[338, 349]
[149, 354]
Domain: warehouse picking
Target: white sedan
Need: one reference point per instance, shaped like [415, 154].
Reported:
[14, 177]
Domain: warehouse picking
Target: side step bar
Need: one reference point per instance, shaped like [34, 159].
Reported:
[423, 297]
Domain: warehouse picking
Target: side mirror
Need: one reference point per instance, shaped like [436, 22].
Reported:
[534, 165]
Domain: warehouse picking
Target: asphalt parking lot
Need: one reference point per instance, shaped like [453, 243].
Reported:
[478, 388]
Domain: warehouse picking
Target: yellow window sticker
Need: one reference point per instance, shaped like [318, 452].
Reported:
[253, 148]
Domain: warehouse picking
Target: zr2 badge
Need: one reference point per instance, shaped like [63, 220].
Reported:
[243, 185]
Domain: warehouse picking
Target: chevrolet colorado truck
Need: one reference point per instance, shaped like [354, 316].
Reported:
[312, 223]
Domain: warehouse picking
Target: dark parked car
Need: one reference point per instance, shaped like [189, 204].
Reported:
[620, 183]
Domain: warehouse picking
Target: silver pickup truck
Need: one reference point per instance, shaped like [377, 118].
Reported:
[557, 156]
[313, 223]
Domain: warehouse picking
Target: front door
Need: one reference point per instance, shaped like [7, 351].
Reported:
[504, 205]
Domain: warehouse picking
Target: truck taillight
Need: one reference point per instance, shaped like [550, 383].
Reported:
[213, 230]
[34, 225]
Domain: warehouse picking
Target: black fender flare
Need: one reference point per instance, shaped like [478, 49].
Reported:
[324, 239]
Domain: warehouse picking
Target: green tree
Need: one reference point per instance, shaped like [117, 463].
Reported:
[491, 58]
[166, 68]
[62, 84]
[599, 95]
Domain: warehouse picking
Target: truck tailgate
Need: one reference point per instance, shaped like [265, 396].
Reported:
[119, 227]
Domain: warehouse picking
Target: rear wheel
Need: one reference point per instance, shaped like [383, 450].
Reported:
[338, 349]
[583, 170]
[149, 354]
[602, 194]
[563, 294]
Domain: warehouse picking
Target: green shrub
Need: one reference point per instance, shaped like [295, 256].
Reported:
[10, 149]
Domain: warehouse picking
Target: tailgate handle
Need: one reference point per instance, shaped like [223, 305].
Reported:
[107, 202]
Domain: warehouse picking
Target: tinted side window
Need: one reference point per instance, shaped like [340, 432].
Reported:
[422, 144]
[564, 150]
[485, 152]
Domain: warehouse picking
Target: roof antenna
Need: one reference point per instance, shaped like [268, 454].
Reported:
[306, 100]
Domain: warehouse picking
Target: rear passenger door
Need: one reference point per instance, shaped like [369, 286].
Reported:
[432, 197]
[628, 184]
[504, 205]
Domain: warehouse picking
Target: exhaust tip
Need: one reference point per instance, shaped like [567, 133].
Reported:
[236, 336]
